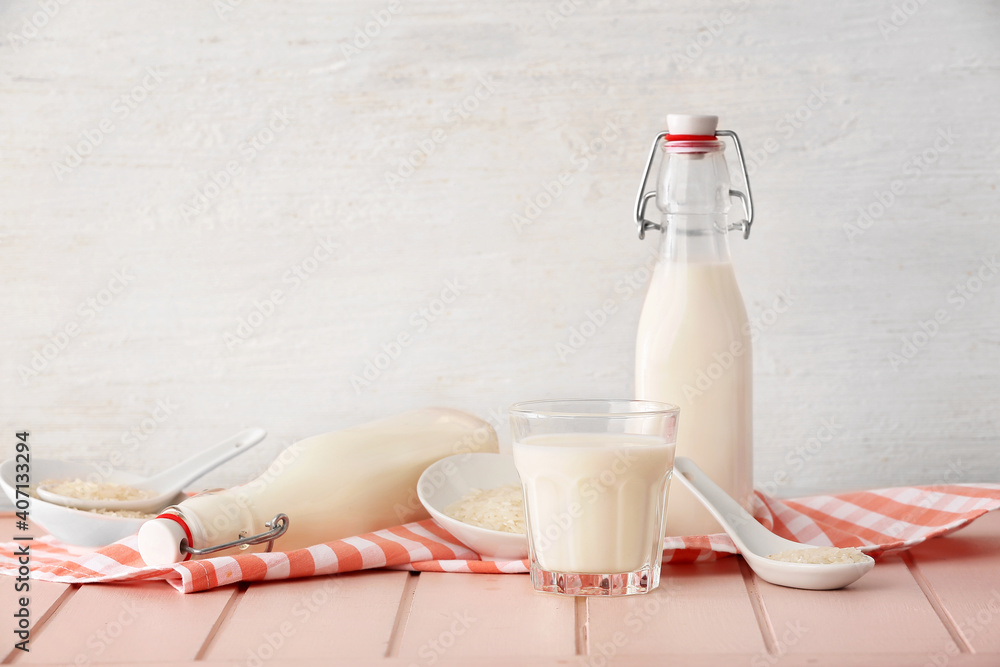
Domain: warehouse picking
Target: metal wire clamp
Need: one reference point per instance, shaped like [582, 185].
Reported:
[277, 527]
[745, 198]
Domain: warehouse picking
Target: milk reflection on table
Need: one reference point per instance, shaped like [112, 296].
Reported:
[594, 501]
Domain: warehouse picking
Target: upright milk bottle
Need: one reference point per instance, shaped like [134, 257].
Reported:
[693, 348]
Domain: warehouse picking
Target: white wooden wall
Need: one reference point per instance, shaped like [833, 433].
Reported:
[233, 160]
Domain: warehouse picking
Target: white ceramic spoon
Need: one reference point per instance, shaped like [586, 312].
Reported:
[168, 483]
[756, 542]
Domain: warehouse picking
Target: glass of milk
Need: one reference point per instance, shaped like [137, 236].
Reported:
[595, 475]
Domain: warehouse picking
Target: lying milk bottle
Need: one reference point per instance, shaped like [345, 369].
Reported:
[693, 348]
[320, 489]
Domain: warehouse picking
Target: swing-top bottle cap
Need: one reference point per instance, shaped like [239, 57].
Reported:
[160, 540]
[690, 125]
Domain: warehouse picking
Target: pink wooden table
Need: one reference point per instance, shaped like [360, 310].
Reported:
[937, 605]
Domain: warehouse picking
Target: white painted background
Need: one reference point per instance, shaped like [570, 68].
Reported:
[557, 74]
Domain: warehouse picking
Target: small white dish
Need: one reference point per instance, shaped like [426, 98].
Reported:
[451, 478]
[66, 524]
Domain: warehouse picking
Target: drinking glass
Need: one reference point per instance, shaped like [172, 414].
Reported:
[595, 475]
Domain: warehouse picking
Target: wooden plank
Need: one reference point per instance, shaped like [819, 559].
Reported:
[700, 615]
[687, 660]
[43, 596]
[698, 608]
[349, 616]
[43, 599]
[128, 622]
[961, 574]
[885, 612]
[458, 616]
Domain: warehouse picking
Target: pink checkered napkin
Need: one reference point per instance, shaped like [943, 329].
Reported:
[886, 519]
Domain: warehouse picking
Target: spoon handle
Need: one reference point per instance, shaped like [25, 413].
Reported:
[191, 469]
[735, 520]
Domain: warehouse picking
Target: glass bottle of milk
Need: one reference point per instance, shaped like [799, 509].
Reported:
[693, 348]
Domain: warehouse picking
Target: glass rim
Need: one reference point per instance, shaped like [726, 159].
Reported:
[548, 408]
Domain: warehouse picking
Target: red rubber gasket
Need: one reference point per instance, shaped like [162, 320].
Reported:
[691, 137]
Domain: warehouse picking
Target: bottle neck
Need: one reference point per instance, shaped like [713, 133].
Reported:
[694, 238]
[217, 517]
[693, 198]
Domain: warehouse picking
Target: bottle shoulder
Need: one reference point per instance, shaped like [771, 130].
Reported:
[694, 290]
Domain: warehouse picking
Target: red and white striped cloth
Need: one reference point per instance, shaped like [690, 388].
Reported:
[881, 520]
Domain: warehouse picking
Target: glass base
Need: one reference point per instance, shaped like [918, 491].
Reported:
[573, 583]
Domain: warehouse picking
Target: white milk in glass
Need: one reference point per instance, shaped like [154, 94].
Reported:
[594, 500]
